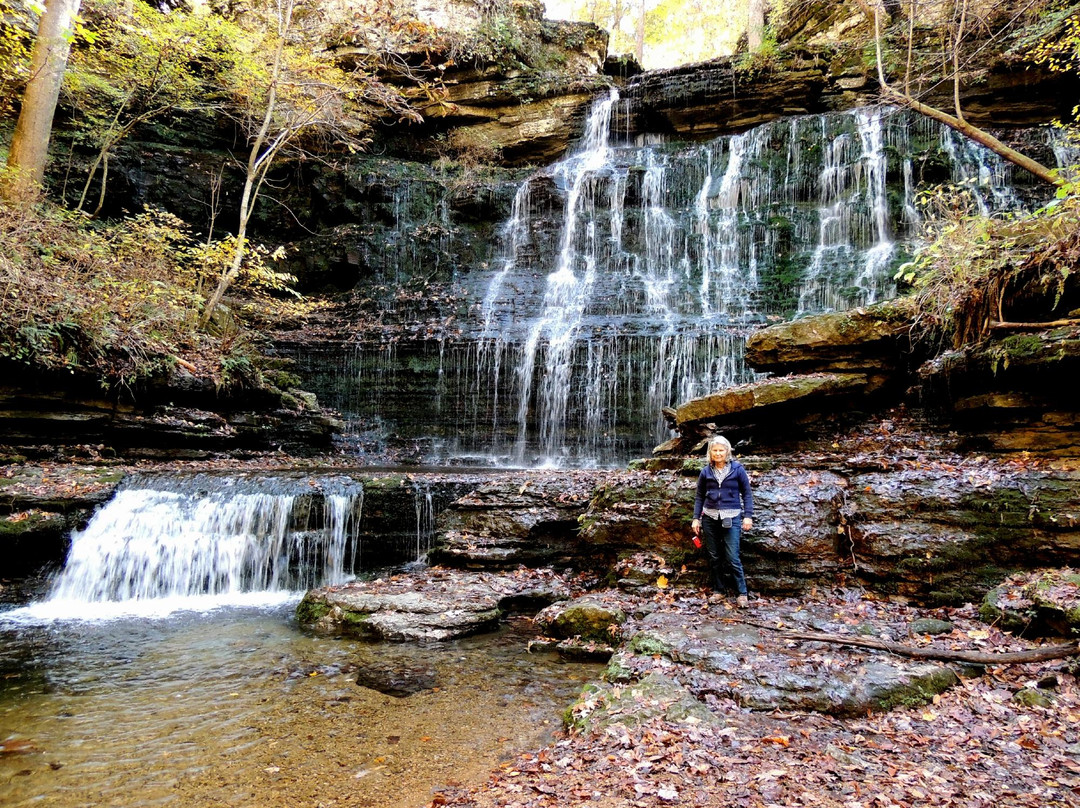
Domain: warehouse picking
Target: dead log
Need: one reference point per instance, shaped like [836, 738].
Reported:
[1007, 326]
[1042, 654]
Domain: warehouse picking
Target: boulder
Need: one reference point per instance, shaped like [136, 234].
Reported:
[1039, 603]
[603, 705]
[433, 604]
[770, 406]
[871, 341]
[588, 618]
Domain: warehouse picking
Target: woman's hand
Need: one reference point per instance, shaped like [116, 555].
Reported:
[696, 527]
[747, 523]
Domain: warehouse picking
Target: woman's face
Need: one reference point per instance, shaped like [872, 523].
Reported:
[718, 453]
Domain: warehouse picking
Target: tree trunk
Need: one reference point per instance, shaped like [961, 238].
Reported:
[957, 121]
[755, 25]
[975, 133]
[258, 164]
[30, 142]
[639, 41]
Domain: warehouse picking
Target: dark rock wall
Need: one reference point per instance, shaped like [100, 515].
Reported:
[941, 531]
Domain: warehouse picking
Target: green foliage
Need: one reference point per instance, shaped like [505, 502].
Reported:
[503, 38]
[973, 267]
[762, 59]
[15, 22]
[141, 64]
[1056, 43]
[116, 300]
[256, 270]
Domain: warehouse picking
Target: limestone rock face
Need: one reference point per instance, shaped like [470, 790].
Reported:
[535, 132]
[945, 531]
[733, 94]
[178, 416]
[515, 519]
[1010, 393]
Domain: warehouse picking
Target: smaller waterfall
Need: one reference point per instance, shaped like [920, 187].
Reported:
[986, 175]
[208, 538]
[425, 520]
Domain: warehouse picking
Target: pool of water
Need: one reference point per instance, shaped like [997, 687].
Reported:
[241, 707]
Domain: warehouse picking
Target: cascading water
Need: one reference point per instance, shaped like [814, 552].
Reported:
[568, 291]
[630, 272]
[183, 540]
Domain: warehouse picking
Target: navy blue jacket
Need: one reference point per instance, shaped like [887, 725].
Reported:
[732, 493]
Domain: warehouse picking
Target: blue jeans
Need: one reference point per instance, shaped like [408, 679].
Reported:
[722, 549]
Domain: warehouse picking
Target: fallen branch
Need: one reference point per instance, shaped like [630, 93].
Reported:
[975, 657]
[1007, 326]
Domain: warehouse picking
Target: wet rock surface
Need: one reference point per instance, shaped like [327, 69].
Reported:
[429, 604]
[722, 653]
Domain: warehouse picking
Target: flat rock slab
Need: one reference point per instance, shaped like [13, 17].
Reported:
[720, 656]
[431, 604]
[758, 398]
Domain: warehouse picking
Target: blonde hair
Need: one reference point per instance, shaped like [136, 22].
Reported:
[714, 441]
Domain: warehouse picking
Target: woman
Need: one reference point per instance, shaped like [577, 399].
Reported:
[723, 508]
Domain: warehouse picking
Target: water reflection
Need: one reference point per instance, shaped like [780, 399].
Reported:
[241, 707]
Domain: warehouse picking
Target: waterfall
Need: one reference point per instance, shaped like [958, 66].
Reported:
[986, 175]
[851, 261]
[628, 274]
[568, 289]
[210, 538]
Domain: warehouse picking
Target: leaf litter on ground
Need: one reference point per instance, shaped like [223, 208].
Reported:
[971, 746]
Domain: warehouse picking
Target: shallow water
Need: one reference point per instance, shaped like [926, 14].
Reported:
[239, 706]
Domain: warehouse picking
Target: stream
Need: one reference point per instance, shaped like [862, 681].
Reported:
[165, 666]
[239, 706]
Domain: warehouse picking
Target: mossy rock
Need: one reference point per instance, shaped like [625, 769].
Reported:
[311, 611]
[588, 620]
[918, 690]
[648, 644]
[654, 696]
[1040, 603]
[929, 625]
[1032, 697]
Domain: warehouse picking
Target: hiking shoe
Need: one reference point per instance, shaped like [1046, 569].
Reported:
[742, 602]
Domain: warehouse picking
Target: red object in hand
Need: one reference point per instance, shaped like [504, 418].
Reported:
[697, 541]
